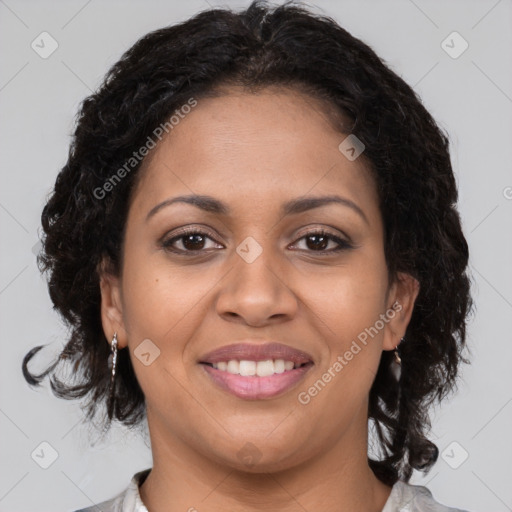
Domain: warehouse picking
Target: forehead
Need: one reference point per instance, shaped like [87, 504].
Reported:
[254, 146]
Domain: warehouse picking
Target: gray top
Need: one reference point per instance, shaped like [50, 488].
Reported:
[404, 497]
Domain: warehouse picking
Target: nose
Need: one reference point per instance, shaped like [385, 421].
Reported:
[257, 293]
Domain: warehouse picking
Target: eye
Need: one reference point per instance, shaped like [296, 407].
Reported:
[319, 240]
[191, 240]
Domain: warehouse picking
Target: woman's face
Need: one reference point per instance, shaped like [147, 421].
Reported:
[258, 271]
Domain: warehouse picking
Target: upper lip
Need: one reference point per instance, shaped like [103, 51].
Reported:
[256, 352]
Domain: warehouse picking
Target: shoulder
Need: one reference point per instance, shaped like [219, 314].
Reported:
[126, 501]
[406, 497]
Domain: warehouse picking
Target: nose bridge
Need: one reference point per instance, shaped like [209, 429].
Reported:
[256, 289]
[257, 262]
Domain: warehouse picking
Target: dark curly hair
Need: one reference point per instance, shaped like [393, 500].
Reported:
[406, 152]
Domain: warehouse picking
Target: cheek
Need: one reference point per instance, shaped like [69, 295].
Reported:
[350, 305]
[351, 297]
[159, 296]
[165, 304]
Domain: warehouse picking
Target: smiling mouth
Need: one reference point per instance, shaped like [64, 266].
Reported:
[247, 368]
[251, 380]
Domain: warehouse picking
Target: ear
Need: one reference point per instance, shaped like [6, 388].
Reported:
[111, 305]
[400, 304]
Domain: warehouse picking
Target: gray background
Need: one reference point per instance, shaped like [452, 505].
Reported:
[470, 96]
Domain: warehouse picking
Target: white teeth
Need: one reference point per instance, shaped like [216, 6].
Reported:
[288, 365]
[247, 368]
[233, 366]
[279, 366]
[265, 368]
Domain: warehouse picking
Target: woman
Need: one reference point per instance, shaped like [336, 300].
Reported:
[256, 245]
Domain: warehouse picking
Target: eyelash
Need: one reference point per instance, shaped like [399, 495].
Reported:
[167, 244]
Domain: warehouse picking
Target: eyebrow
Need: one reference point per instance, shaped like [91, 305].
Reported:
[211, 205]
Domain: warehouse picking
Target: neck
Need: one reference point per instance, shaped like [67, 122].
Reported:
[338, 479]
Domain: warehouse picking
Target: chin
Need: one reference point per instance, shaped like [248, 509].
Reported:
[262, 457]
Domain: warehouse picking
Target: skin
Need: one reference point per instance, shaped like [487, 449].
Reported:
[253, 152]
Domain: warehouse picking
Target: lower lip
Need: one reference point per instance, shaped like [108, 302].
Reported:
[257, 388]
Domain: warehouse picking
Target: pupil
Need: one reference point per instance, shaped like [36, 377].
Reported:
[190, 242]
[323, 244]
